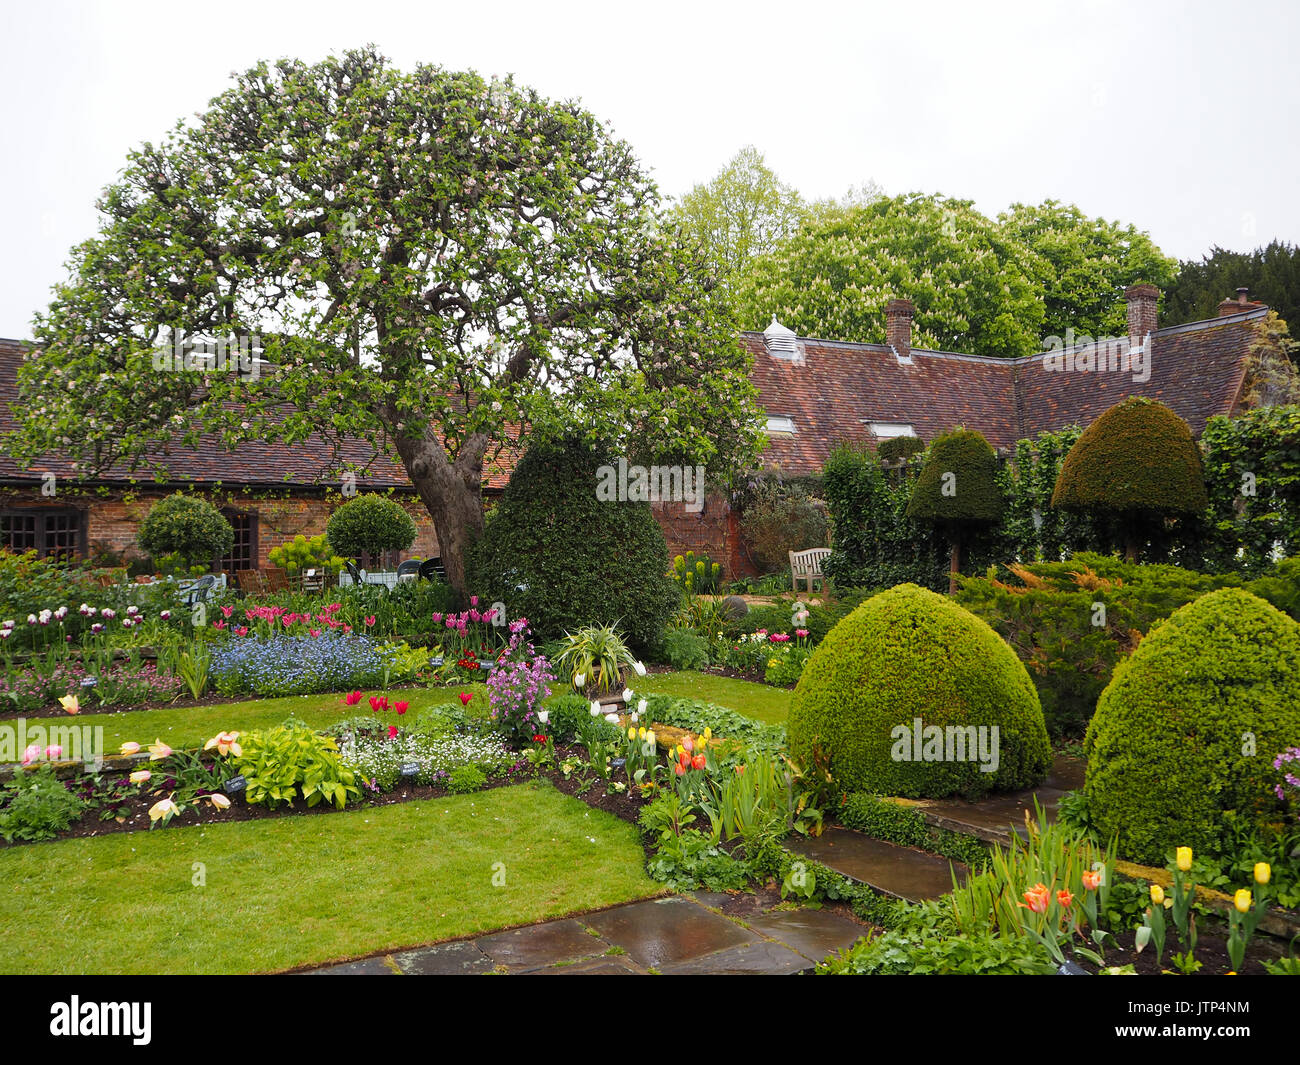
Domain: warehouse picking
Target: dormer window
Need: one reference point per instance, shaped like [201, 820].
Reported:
[780, 423]
[782, 343]
[890, 430]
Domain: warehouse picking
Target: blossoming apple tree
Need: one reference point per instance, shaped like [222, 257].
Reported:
[436, 264]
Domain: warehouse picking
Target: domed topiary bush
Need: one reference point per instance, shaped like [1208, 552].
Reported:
[186, 526]
[909, 654]
[1136, 464]
[559, 556]
[370, 525]
[1189, 725]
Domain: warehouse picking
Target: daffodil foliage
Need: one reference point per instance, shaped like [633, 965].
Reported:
[436, 264]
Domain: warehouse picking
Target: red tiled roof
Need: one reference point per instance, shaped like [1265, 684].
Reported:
[311, 463]
[831, 393]
[836, 388]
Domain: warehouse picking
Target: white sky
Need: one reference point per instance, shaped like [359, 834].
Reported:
[1178, 117]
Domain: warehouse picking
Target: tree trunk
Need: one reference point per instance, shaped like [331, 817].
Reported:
[452, 493]
[954, 564]
[1131, 550]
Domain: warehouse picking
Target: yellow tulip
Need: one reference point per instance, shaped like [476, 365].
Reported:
[130, 748]
[1157, 894]
[1184, 858]
[1262, 873]
[1242, 900]
[158, 751]
[141, 776]
[631, 732]
[70, 704]
[162, 808]
[708, 732]
[641, 732]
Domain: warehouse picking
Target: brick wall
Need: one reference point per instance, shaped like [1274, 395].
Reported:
[113, 523]
[713, 531]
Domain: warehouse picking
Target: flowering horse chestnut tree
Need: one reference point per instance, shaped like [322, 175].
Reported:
[436, 264]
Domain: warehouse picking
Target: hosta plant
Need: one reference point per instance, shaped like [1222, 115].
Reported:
[291, 761]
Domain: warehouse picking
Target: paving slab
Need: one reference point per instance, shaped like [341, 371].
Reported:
[444, 959]
[992, 820]
[381, 966]
[813, 933]
[758, 959]
[898, 871]
[612, 965]
[661, 932]
[539, 945]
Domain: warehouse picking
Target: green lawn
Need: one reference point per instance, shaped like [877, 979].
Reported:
[761, 701]
[191, 726]
[312, 889]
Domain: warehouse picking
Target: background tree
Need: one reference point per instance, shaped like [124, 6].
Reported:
[1138, 465]
[434, 263]
[975, 288]
[746, 210]
[1272, 274]
[958, 489]
[1087, 265]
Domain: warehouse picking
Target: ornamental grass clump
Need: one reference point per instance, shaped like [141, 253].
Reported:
[299, 665]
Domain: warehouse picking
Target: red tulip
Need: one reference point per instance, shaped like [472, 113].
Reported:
[401, 706]
[392, 732]
[698, 761]
[374, 703]
[465, 697]
[352, 698]
[370, 620]
[679, 769]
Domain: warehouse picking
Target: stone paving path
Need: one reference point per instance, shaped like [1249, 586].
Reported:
[678, 935]
[683, 934]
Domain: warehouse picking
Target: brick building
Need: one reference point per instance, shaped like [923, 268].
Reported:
[815, 394]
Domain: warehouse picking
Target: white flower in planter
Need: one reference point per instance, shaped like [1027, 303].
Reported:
[580, 680]
[627, 695]
[595, 708]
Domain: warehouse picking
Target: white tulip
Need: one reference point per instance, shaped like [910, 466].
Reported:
[642, 707]
[544, 716]
[612, 718]
[579, 680]
[595, 708]
[640, 668]
[627, 695]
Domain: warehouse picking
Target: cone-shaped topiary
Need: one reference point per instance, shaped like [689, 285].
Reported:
[957, 488]
[1138, 463]
[1188, 727]
[563, 558]
[905, 655]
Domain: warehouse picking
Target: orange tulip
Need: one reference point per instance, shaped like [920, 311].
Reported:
[1064, 898]
[1092, 879]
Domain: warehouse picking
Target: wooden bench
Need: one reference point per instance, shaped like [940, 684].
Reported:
[807, 565]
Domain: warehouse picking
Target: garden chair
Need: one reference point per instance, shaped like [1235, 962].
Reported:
[431, 569]
[357, 576]
[197, 591]
[275, 579]
[249, 581]
[109, 577]
[409, 570]
[807, 565]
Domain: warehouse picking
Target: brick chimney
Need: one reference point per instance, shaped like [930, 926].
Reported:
[1243, 302]
[1142, 300]
[898, 326]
